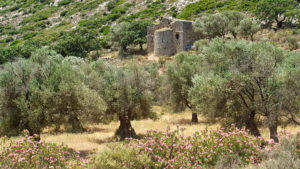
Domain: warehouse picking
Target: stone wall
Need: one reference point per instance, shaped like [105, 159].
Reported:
[164, 42]
[165, 23]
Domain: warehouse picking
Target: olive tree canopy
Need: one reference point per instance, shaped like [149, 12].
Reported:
[241, 85]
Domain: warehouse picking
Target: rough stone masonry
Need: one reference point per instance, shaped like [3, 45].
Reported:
[170, 37]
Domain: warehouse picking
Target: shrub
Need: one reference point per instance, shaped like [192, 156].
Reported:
[28, 153]
[247, 28]
[78, 42]
[200, 44]
[293, 43]
[153, 11]
[284, 156]
[230, 161]
[39, 16]
[120, 156]
[207, 6]
[111, 5]
[63, 13]
[203, 149]
[64, 2]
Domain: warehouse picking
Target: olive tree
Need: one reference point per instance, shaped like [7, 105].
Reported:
[78, 42]
[241, 84]
[134, 33]
[125, 92]
[21, 85]
[289, 77]
[212, 25]
[119, 36]
[42, 91]
[247, 28]
[180, 74]
[276, 10]
[70, 101]
[234, 18]
[229, 22]
[139, 29]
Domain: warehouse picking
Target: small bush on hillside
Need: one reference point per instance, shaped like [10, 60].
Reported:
[111, 5]
[120, 157]
[28, 153]
[78, 42]
[293, 43]
[64, 2]
[200, 44]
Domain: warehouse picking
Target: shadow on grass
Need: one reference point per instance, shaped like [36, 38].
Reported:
[103, 141]
[95, 129]
[189, 122]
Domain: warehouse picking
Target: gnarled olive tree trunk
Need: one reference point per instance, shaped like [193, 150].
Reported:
[273, 125]
[195, 118]
[34, 132]
[251, 124]
[125, 130]
[76, 124]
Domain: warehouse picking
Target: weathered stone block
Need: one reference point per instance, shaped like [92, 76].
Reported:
[164, 42]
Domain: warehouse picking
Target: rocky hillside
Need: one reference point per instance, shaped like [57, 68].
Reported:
[23, 20]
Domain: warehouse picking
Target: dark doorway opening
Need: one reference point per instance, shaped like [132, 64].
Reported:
[177, 36]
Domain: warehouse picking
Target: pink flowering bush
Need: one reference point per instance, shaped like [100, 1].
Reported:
[285, 155]
[28, 153]
[202, 150]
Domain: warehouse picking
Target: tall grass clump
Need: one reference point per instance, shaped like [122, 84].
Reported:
[120, 156]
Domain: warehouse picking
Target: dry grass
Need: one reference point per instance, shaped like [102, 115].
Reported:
[99, 136]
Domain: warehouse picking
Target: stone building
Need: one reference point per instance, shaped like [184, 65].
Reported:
[169, 37]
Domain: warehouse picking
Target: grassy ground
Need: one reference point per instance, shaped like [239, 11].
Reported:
[99, 136]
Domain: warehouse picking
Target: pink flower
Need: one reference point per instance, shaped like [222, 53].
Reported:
[21, 159]
[271, 141]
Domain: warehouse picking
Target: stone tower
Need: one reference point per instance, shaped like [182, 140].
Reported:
[167, 38]
[164, 42]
